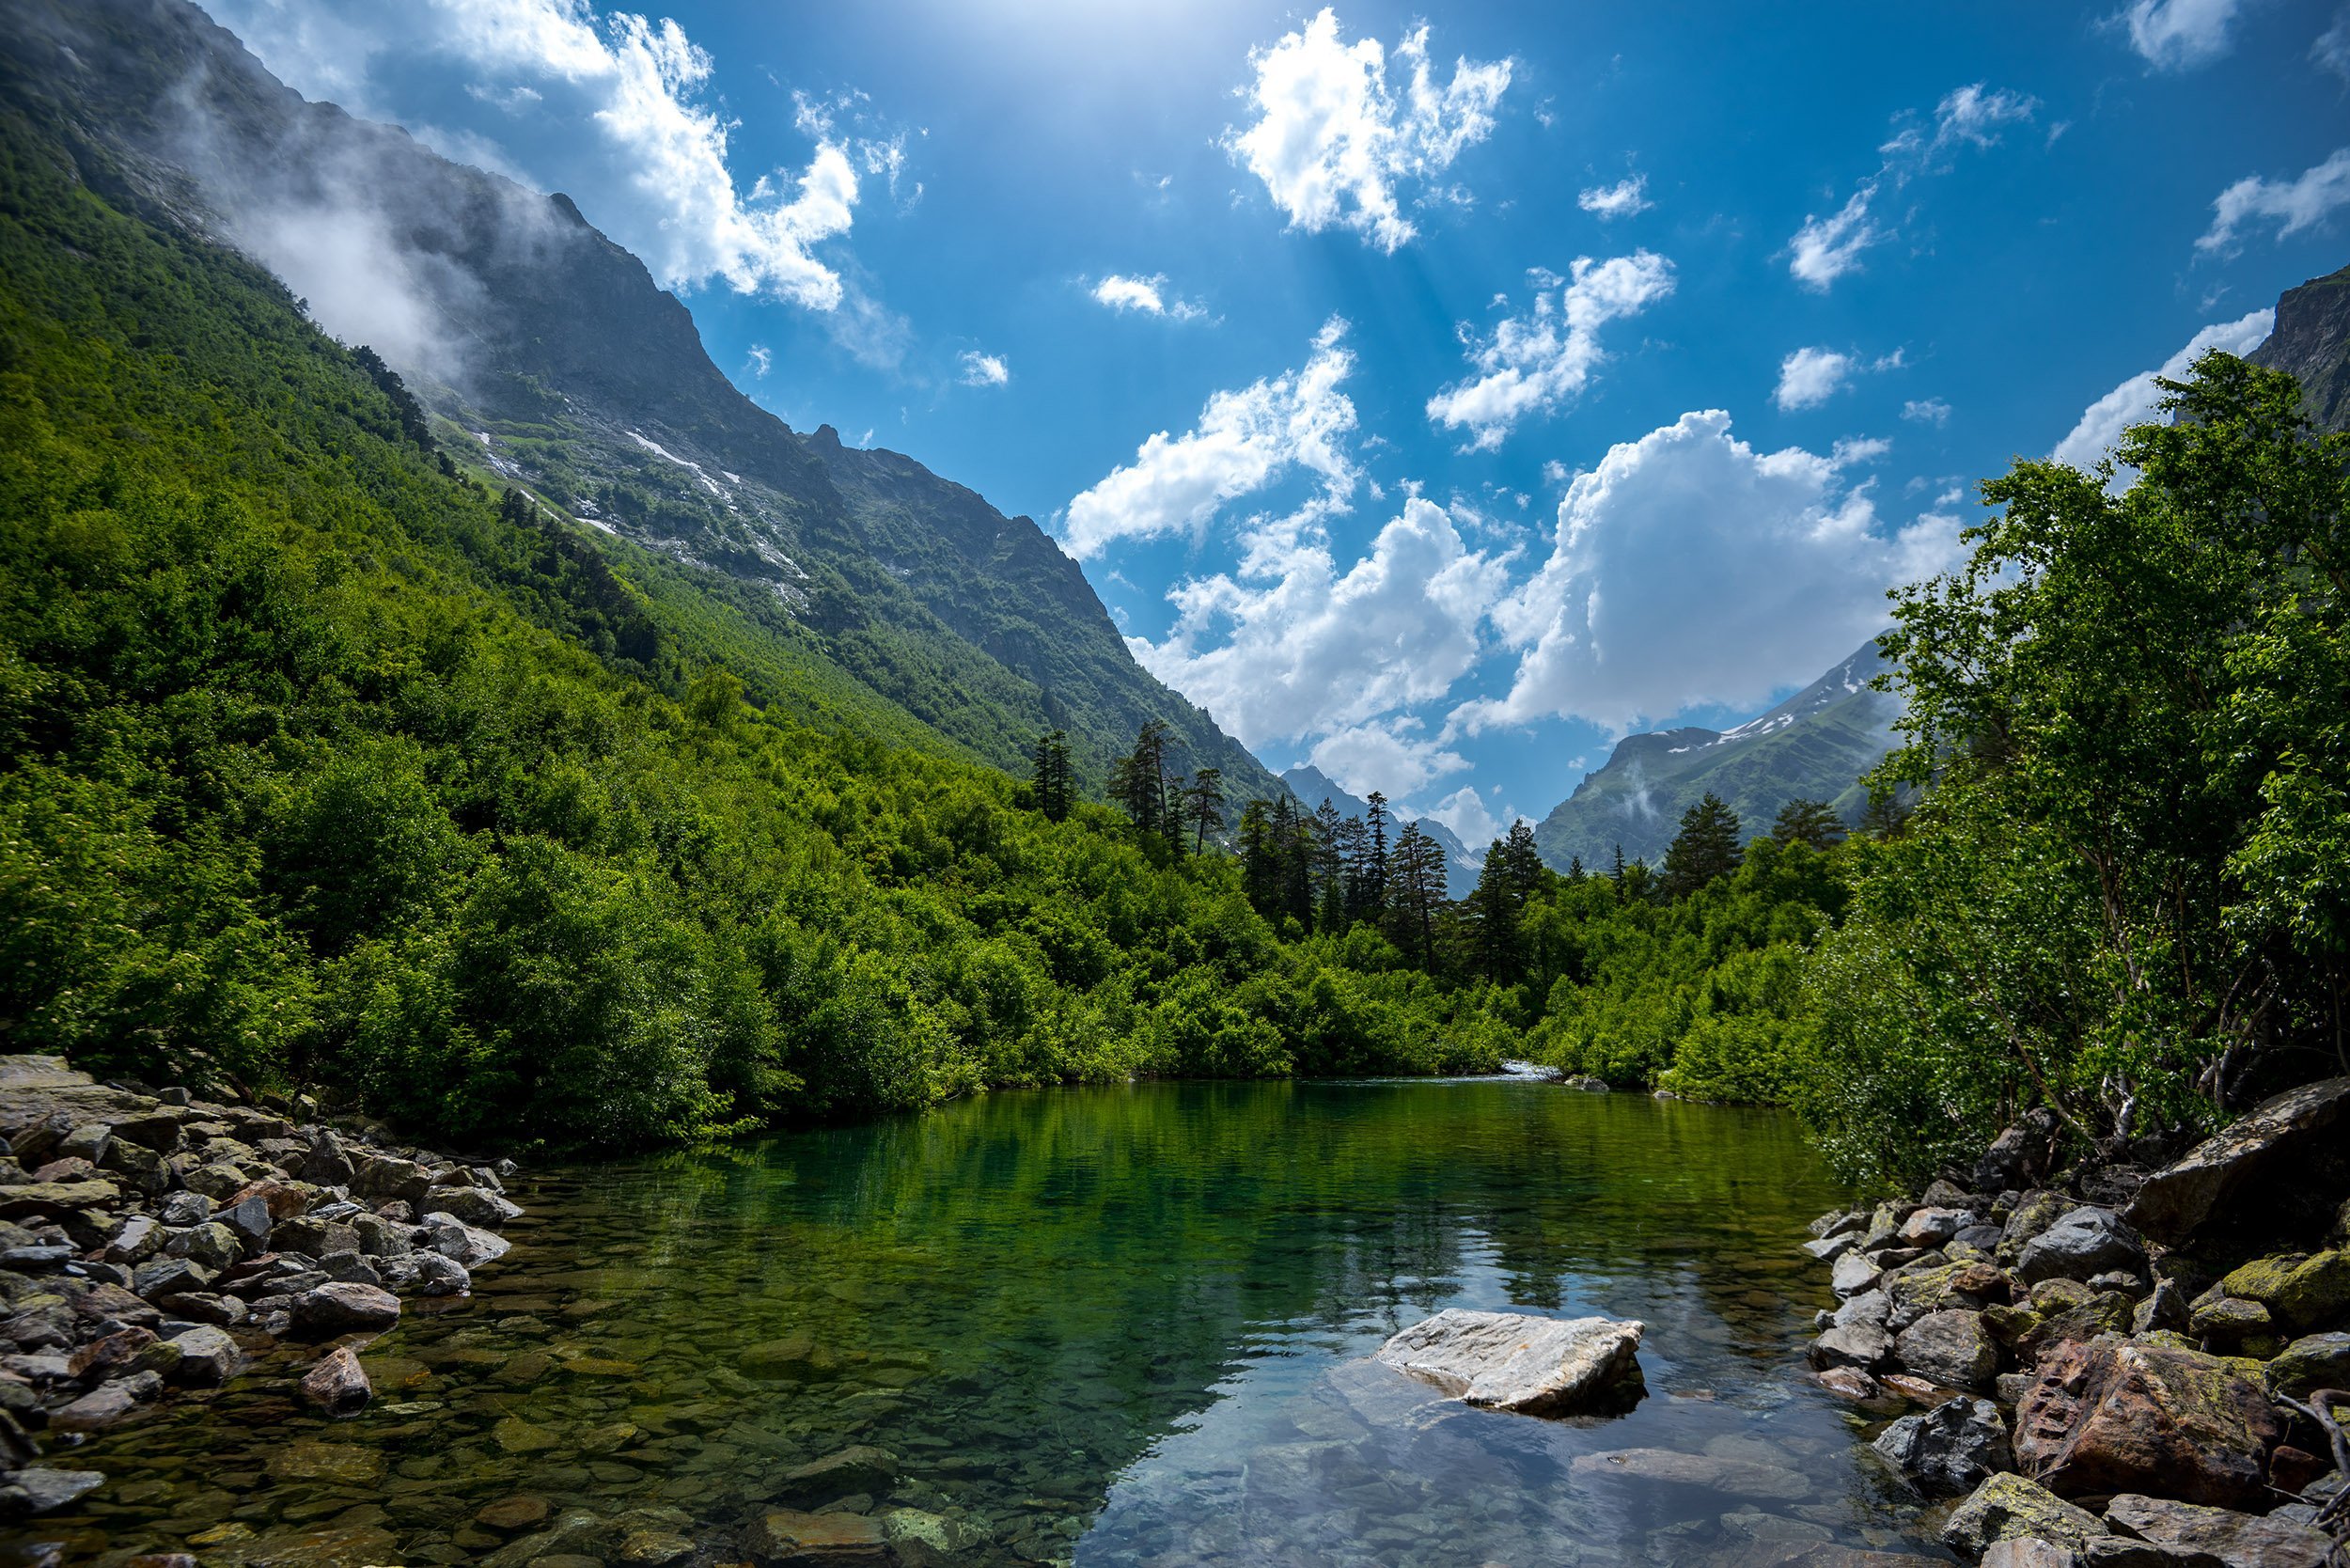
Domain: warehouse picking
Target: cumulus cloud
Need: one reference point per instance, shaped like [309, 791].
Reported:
[2133, 402]
[1809, 377]
[1927, 411]
[1244, 440]
[1689, 567]
[1146, 295]
[1292, 643]
[1620, 200]
[1533, 363]
[2175, 35]
[647, 137]
[983, 369]
[1335, 138]
[1472, 822]
[1826, 248]
[2292, 205]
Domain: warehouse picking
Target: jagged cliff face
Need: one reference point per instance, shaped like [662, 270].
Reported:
[1815, 746]
[2312, 339]
[556, 363]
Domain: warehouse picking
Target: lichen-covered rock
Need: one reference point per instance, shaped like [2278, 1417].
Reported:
[1951, 1450]
[1950, 1348]
[2038, 1211]
[2303, 1293]
[2104, 1417]
[2010, 1507]
[2236, 1540]
[2311, 1362]
[1914, 1293]
[2257, 1176]
[1514, 1362]
[2084, 1243]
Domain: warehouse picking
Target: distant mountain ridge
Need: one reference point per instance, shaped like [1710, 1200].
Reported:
[554, 363]
[1311, 787]
[1815, 746]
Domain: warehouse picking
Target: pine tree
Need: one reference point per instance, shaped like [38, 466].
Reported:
[1886, 813]
[1349, 850]
[1415, 888]
[1259, 879]
[1139, 782]
[1203, 806]
[1492, 914]
[1808, 821]
[1372, 884]
[1329, 866]
[1053, 785]
[1575, 869]
[1617, 875]
[1706, 847]
[1523, 859]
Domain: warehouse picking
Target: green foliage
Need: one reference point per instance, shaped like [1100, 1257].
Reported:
[2121, 893]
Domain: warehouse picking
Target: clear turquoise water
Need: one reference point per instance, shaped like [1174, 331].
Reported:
[1103, 1326]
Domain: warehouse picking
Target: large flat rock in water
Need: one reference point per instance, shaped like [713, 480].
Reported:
[1514, 1362]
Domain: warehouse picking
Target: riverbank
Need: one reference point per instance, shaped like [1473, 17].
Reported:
[157, 1246]
[2110, 1366]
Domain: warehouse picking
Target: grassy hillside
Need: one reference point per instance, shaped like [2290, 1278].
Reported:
[549, 359]
[322, 763]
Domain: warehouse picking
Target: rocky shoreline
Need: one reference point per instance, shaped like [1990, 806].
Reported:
[2109, 1366]
[157, 1246]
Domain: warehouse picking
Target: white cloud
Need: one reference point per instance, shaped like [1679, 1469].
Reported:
[1620, 200]
[983, 369]
[1334, 139]
[1144, 294]
[2292, 204]
[1852, 450]
[1244, 440]
[2133, 402]
[1927, 411]
[1470, 819]
[629, 94]
[1689, 567]
[1293, 644]
[2332, 48]
[1809, 377]
[2174, 35]
[762, 359]
[1533, 363]
[1391, 756]
[1824, 249]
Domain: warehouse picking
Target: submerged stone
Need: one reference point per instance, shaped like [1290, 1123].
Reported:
[1741, 1478]
[1514, 1362]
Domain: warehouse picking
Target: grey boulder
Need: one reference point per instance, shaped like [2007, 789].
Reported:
[2083, 1244]
[1951, 1450]
[1514, 1362]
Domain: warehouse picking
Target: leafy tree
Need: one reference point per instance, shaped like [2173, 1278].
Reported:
[1705, 848]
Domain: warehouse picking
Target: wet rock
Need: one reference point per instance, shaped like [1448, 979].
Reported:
[207, 1357]
[2084, 1243]
[1742, 1478]
[340, 1307]
[339, 1464]
[2104, 1417]
[1853, 1274]
[2236, 1540]
[470, 1206]
[339, 1384]
[512, 1513]
[2288, 1156]
[1839, 1222]
[785, 1539]
[860, 1468]
[1512, 1361]
[2312, 1362]
[2010, 1507]
[1949, 1451]
[1829, 1249]
[37, 1489]
[2025, 1551]
[653, 1548]
[516, 1435]
[1950, 1347]
[108, 1404]
[451, 1238]
[349, 1268]
[1862, 1345]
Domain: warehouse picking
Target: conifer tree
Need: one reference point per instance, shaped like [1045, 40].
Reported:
[1203, 806]
[1706, 847]
[1054, 790]
[1415, 887]
[1808, 821]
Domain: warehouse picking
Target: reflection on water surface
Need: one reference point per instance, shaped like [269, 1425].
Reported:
[1108, 1327]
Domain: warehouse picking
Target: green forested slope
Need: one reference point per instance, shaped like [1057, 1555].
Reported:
[319, 763]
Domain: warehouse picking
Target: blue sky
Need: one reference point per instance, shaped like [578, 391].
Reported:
[1433, 395]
